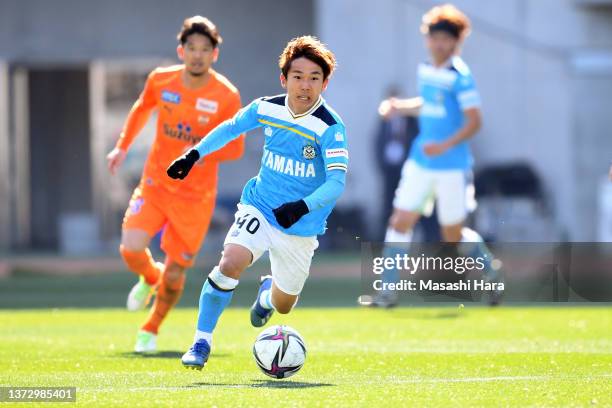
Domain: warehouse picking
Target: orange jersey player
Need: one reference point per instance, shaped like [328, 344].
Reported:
[191, 99]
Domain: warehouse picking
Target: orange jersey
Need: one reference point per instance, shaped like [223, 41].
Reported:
[185, 116]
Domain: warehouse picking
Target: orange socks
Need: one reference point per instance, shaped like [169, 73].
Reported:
[168, 295]
[141, 263]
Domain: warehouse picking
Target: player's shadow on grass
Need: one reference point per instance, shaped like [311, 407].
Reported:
[264, 384]
[171, 354]
[288, 384]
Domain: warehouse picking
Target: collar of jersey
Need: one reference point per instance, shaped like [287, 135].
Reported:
[447, 64]
[308, 112]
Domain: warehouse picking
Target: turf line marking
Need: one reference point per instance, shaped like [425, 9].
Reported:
[407, 381]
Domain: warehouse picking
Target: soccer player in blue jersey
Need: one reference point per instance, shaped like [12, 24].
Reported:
[440, 160]
[285, 207]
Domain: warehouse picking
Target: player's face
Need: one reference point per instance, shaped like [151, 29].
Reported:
[304, 84]
[198, 54]
[441, 46]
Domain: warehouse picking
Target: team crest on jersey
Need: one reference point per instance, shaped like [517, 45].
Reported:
[268, 131]
[309, 152]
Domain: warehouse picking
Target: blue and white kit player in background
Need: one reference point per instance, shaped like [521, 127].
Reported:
[285, 207]
[440, 160]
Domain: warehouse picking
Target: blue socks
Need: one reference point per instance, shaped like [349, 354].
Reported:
[213, 302]
[396, 243]
[216, 294]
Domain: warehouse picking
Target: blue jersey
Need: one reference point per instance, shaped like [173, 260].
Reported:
[304, 157]
[446, 93]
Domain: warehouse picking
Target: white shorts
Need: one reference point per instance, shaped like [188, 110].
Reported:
[419, 187]
[290, 255]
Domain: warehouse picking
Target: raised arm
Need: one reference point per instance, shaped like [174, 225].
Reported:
[404, 107]
[137, 118]
[243, 121]
[234, 149]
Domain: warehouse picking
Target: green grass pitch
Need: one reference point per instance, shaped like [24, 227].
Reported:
[404, 357]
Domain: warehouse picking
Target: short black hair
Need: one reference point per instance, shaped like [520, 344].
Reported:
[199, 25]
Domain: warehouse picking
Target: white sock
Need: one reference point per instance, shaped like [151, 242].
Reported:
[469, 235]
[265, 300]
[222, 281]
[469, 241]
[202, 335]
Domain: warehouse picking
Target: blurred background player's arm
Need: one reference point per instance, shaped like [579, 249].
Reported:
[234, 149]
[137, 118]
[404, 107]
[473, 122]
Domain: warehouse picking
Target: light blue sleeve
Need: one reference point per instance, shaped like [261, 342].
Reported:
[334, 148]
[335, 156]
[243, 121]
[467, 94]
[327, 192]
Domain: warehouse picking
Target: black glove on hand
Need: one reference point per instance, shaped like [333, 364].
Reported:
[181, 166]
[290, 213]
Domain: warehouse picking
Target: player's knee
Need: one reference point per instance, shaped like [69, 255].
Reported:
[174, 275]
[400, 224]
[131, 247]
[133, 258]
[451, 234]
[134, 240]
[231, 267]
[284, 307]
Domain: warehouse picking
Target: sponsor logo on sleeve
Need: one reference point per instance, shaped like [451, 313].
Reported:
[329, 153]
[339, 137]
[207, 105]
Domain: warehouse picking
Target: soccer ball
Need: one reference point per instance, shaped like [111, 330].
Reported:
[279, 351]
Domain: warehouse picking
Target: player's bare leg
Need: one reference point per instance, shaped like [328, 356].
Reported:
[270, 298]
[471, 244]
[397, 239]
[282, 302]
[403, 221]
[452, 233]
[169, 292]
